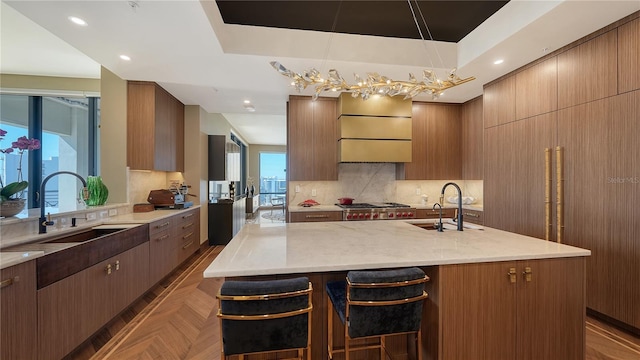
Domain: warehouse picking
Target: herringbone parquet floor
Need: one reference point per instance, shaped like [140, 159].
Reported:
[177, 320]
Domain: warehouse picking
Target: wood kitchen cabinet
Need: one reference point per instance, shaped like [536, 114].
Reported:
[472, 139]
[448, 213]
[172, 240]
[315, 216]
[312, 139]
[18, 318]
[226, 220]
[527, 309]
[473, 216]
[72, 309]
[155, 128]
[628, 59]
[436, 144]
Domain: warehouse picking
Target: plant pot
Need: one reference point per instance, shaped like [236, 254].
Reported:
[12, 207]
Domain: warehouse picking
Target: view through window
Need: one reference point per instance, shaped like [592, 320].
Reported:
[67, 143]
[273, 183]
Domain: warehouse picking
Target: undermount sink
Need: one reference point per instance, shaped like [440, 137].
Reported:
[83, 236]
[447, 225]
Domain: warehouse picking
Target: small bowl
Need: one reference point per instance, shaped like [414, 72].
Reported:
[346, 201]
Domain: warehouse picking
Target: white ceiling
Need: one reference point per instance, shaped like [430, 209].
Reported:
[184, 46]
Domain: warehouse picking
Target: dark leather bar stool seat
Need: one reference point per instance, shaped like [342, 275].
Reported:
[376, 304]
[265, 316]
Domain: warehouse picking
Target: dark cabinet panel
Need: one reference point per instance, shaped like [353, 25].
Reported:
[226, 220]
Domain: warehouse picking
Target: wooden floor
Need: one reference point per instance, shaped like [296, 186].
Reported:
[177, 320]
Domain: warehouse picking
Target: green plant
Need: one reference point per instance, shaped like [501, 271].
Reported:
[22, 144]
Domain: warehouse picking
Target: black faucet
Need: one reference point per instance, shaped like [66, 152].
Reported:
[460, 227]
[439, 224]
[44, 222]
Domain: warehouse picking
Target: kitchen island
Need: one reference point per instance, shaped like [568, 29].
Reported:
[492, 294]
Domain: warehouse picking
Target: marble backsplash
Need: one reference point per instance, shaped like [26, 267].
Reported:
[376, 182]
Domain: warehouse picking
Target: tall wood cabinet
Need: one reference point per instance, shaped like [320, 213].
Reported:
[472, 139]
[155, 128]
[528, 309]
[436, 143]
[18, 318]
[312, 139]
[595, 123]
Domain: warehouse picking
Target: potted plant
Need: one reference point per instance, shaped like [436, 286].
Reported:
[11, 194]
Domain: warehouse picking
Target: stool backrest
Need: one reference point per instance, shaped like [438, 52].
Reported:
[384, 301]
[261, 316]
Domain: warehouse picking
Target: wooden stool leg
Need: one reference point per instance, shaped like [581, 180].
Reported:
[346, 342]
[382, 350]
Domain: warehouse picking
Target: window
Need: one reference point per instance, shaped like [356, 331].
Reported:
[273, 183]
[67, 128]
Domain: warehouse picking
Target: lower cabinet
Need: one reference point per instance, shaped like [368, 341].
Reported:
[171, 241]
[528, 309]
[315, 216]
[72, 309]
[18, 320]
[225, 221]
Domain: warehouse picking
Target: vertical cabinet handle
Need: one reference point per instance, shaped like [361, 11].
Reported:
[526, 274]
[512, 275]
[108, 269]
[117, 265]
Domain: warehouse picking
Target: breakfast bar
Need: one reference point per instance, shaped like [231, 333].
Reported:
[492, 294]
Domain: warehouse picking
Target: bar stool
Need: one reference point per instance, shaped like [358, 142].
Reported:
[376, 304]
[265, 316]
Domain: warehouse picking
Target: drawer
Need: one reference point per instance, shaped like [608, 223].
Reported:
[473, 216]
[315, 216]
[447, 213]
[160, 225]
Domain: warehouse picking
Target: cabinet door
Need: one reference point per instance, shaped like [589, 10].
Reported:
[514, 184]
[551, 309]
[300, 139]
[472, 139]
[164, 150]
[18, 312]
[315, 216]
[325, 139]
[312, 139]
[141, 125]
[436, 145]
[130, 277]
[160, 250]
[478, 311]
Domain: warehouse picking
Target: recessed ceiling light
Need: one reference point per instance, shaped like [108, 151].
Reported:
[498, 62]
[247, 102]
[77, 21]
[125, 57]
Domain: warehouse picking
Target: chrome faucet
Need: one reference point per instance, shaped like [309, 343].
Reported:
[44, 222]
[460, 227]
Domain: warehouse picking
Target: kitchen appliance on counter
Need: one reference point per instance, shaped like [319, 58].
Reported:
[377, 211]
[173, 198]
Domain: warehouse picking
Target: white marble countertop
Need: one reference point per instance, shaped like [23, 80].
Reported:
[16, 257]
[341, 246]
[13, 250]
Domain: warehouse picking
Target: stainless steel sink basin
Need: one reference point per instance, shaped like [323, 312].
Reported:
[83, 236]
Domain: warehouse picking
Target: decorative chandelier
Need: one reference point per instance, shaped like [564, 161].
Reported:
[374, 82]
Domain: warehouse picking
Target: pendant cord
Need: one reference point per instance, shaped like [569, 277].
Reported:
[424, 43]
[333, 28]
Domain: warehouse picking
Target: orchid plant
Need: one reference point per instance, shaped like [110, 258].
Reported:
[21, 145]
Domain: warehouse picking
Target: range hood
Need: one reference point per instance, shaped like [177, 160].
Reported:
[375, 130]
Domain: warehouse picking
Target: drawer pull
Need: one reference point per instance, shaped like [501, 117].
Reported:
[187, 226]
[9, 282]
[108, 269]
[472, 215]
[162, 237]
[117, 265]
[316, 216]
[187, 216]
[187, 245]
[187, 236]
[162, 225]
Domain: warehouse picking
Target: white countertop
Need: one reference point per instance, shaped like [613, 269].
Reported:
[344, 245]
[30, 245]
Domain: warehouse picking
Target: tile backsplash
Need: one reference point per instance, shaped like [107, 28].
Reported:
[376, 182]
